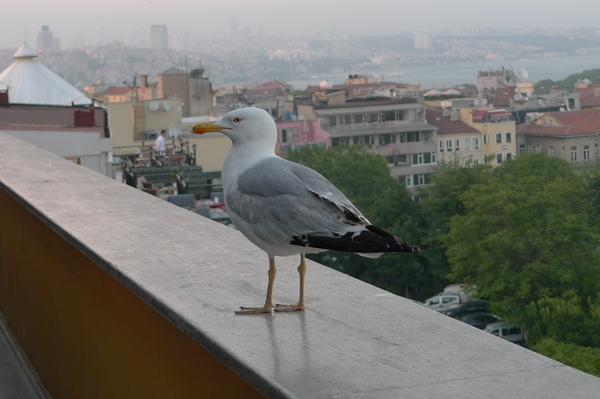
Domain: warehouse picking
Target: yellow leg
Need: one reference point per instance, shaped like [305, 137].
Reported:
[300, 304]
[269, 301]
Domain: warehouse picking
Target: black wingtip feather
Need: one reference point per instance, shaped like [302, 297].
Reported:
[372, 240]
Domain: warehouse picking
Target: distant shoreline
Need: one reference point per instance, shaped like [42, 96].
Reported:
[452, 74]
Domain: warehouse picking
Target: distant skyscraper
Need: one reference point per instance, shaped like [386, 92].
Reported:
[159, 37]
[45, 39]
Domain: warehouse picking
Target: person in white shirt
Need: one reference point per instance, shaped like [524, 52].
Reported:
[159, 144]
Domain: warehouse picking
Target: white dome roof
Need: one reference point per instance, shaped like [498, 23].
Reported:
[30, 82]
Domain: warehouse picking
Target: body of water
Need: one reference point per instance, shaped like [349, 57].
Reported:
[448, 75]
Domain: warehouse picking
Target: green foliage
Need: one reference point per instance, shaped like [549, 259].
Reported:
[580, 357]
[568, 83]
[526, 237]
[568, 318]
[439, 202]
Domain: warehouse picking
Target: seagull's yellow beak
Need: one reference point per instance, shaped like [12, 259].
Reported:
[207, 127]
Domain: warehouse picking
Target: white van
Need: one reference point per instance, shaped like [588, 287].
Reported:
[506, 331]
[444, 301]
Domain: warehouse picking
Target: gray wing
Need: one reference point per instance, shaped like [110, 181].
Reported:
[283, 200]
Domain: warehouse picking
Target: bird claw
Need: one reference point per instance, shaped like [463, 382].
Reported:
[244, 310]
[289, 308]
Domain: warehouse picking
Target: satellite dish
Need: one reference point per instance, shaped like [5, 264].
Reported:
[300, 117]
[166, 106]
[153, 106]
[521, 73]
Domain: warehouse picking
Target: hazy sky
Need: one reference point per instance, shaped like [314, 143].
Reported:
[69, 19]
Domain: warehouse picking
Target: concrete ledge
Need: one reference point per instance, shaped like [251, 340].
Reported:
[353, 340]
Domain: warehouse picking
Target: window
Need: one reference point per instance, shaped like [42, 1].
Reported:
[417, 158]
[359, 118]
[388, 116]
[457, 145]
[401, 159]
[385, 139]
[508, 137]
[522, 149]
[551, 150]
[574, 153]
[289, 135]
[336, 141]
[374, 118]
[412, 137]
[418, 179]
[364, 140]
[347, 119]
[486, 138]
[499, 158]
[332, 120]
[423, 158]
[596, 151]
[448, 145]
[586, 153]
[441, 145]
[476, 143]
[498, 138]
[508, 156]
[467, 144]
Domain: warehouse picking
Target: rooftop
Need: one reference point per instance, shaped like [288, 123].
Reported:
[46, 118]
[445, 124]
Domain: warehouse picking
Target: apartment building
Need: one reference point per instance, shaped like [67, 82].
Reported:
[498, 132]
[395, 128]
[573, 136]
[458, 142]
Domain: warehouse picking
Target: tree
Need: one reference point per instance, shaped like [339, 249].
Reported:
[526, 239]
[440, 201]
[365, 179]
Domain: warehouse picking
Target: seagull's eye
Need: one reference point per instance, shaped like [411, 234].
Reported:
[237, 120]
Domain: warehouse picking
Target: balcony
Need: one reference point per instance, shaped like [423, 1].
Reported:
[110, 292]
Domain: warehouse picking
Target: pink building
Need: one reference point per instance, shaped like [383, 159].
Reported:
[294, 134]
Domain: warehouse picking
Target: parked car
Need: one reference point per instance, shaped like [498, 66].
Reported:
[507, 331]
[444, 301]
[480, 319]
[467, 307]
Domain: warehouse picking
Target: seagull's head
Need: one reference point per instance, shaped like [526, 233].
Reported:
[244, 125]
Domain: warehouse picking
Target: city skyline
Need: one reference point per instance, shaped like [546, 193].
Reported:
[111, 20]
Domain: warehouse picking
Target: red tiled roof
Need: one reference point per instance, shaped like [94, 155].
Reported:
[587, 95]
[586, 120]
[445, 125]
[571, 123]
[550, 130]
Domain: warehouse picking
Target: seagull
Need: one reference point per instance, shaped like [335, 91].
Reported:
[285, 208]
